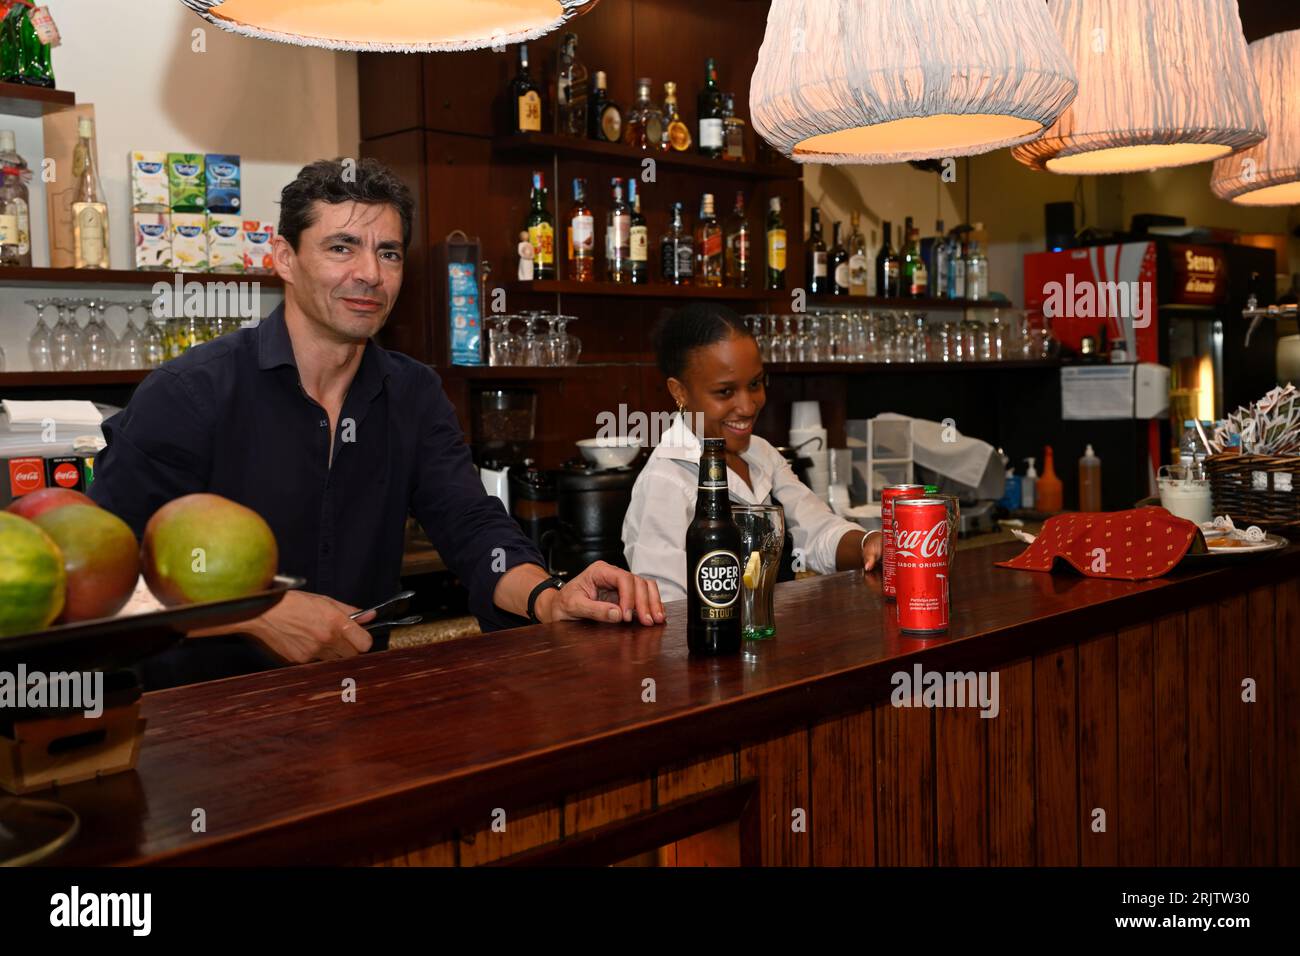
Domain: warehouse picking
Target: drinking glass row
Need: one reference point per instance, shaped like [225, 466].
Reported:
[542, 341]
[70, 345]
[858, 335]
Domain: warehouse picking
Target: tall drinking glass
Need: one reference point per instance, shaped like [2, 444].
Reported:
[762, 534]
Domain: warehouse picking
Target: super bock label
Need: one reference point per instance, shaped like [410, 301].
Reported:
[717, 581]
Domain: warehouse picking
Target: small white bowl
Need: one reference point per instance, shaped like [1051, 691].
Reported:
[609, 452]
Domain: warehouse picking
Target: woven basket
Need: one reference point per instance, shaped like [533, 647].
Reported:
[1237, 491]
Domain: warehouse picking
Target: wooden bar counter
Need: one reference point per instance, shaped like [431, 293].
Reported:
[1121, 737]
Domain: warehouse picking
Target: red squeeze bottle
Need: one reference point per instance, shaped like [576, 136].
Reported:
[1049, 494]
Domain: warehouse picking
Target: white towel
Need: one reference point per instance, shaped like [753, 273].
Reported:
[31, 416]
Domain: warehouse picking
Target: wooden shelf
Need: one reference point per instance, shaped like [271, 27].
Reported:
[36, 276]
[654, 290]
[18, 99]
[913, 304]
[570, 146]
[57, 379]
[521, 373]
[872, 368]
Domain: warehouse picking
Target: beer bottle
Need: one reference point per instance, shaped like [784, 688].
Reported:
[713, 560]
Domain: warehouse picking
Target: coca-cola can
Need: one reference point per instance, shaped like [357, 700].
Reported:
[888, 495]
[922, 552]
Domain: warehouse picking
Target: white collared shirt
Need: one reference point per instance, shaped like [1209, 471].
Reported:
[663, 506]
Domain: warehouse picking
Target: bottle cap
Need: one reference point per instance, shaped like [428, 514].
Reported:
[1088, 453]
[1031, 471]
[670, 88]
[86, 127]
[600, 79]
[7, 142]
[774, 204]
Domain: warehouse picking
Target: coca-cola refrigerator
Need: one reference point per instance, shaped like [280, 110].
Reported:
[1165, 301]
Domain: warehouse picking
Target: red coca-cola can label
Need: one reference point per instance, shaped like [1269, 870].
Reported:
[26, 475]
[888, 495]
[922, 549]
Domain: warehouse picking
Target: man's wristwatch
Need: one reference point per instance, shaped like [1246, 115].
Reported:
[551, 582]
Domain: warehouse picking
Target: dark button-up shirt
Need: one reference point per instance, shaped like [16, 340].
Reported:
[231, 417]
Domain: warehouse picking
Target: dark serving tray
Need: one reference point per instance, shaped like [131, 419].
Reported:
[111, 643]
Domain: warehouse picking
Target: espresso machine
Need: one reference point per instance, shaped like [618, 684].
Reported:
[504, 421]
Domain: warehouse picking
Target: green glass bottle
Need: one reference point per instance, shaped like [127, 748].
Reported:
[9, 46]
[38, 66]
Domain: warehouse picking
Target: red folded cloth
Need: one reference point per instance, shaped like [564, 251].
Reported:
[1128, 545]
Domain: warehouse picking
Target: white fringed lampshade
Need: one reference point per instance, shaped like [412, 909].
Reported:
[885, 81]
[1268, 174]
[1161, 83]
[388, 26]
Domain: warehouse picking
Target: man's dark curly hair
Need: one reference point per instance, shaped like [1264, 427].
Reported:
[340, 180]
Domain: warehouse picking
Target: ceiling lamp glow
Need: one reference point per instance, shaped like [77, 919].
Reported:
[1268, 174]
[885, 81]
[391, 26]
[1161, 83]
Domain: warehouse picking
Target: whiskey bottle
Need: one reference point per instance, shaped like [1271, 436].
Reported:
[89, 212]
[857, 250]
[837, 264]
[775, 229]
[644, 128]
[737, 264]
[638, 239]
[709, 103]
[818, 280]
[708, 246]
[15, 210]
[733, 131]
[605, 119]
[571, 90]
[582, 235]
[677, 135]
[914, 277]
[541, 230]
[887, 265]
[618, 236]
[677, 250]
[525, 98]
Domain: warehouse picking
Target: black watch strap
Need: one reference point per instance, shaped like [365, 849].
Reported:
[551, 582]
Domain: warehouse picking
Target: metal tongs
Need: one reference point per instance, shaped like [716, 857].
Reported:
[396, 604]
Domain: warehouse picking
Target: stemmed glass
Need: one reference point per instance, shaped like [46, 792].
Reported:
[38, 346]
[131, 346]
[571, 345]
[553, 345]
[155, 340]
[98, 342]
[65, 339]
[534, 344]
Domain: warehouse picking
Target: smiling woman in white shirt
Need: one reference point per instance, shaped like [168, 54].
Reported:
[715, 375]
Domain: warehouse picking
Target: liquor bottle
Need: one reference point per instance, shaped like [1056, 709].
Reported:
[915, 280]
[571, 90]
[605, 119]
[939, 265]
[857, 250]
[541, 230]
[888, 266]
[24, 58]
[733, 131]
[775, 229]
[677, 250]
[89, 211]
[644, 128]
[582, 235]
[709, 104]
[708, 246]
[618, 236]
[677, 135]
[638, 238]
[713, 560]
[977, 265]
[737, 265]
[525, 98]
[15, 210]
[837, 264]
[872, 288]
[818, 280]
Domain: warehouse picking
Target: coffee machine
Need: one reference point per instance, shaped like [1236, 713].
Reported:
[504, 422]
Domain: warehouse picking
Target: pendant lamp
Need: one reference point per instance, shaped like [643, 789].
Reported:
[391, 26]
[1161, 83]
[1268, 174]
[886, 81]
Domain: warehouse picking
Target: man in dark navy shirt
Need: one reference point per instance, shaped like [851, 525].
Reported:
[333, 440]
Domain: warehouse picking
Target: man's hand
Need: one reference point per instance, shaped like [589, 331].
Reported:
[603, 592]
[306, 627]
[872, 548]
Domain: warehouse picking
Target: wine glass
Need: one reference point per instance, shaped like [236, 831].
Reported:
[38, 346]
[98, 342]
[571, 346]
[65, 339]
[553, 349]
[131, 346]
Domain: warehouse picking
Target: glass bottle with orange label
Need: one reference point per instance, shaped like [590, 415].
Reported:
[541, 231]
[708, 246]
[775, 245]
[525, 98]
[677, 135]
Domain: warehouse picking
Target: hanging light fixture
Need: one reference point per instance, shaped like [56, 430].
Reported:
[1268, 174]
[1161, 83]
[886, 81]
[391, 26]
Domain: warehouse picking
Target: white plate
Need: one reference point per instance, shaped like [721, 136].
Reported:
[1271, 542]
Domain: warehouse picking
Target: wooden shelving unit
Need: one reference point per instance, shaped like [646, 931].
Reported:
[38, 276]
[18, 99]
[653, 290]
[521, 373]
[915, 305]
[56, 379]
[878, 368]
[547, 143]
